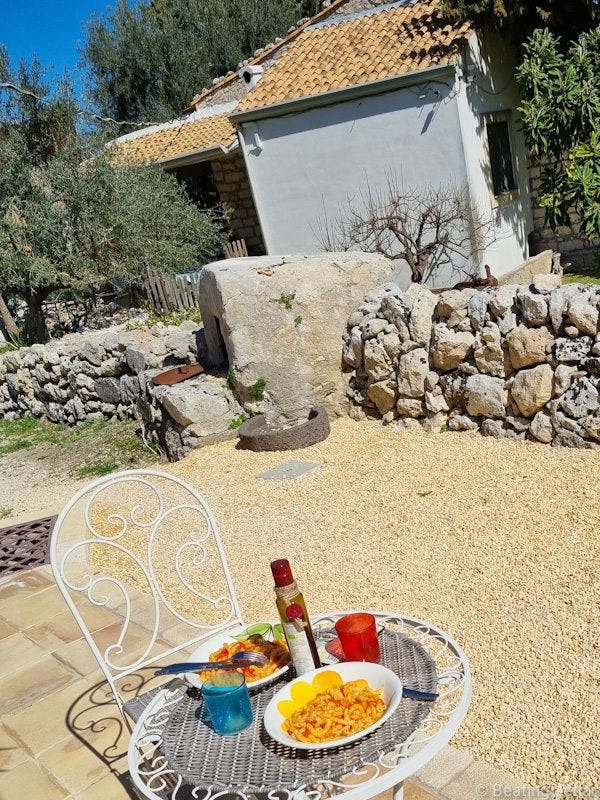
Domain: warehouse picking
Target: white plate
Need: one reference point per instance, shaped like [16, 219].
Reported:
[217, 641]
[377, 677]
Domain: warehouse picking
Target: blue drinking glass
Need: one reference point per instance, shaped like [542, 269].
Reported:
[227, 701]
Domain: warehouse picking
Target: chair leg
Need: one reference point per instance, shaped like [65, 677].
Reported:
[398, 791]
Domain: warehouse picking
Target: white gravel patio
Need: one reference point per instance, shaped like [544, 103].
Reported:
[495, 541]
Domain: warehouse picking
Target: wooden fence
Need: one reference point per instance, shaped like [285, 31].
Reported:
[172, 292]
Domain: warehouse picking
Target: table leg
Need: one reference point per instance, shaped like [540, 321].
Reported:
[398, 791]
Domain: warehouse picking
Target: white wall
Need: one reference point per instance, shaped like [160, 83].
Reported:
[313, 162]
[494, 89]
[310, 164]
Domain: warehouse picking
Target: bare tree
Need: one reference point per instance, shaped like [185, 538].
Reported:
[428, 228]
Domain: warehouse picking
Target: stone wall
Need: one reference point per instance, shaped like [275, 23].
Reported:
[512, 361]
[573, 246]
[232, 183]
[109, 375]
[89, 377]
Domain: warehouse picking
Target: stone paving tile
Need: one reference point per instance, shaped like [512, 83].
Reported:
[480, 780]
[29, 780]
[414, 792]
[6, 629]
[22, 611]
[24, 583]
[17, 652]
[62, 628]
[96, 721]
[44, 724]
[109, 788]
[73, 765]
[442, 769]
[11, 752]
[20, 689]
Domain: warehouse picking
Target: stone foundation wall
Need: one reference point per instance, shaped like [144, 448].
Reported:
[512, 361]
[232, 183]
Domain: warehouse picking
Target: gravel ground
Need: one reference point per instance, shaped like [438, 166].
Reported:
[495, 541]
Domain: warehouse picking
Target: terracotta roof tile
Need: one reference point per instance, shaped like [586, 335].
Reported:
[174, 141]
[359, 50]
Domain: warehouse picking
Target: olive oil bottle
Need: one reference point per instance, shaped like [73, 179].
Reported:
[294, 618]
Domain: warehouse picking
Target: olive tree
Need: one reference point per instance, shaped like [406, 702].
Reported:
[517, 19]
[146, 60]
[72, 221]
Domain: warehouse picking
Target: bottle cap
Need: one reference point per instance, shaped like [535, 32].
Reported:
[282, 572]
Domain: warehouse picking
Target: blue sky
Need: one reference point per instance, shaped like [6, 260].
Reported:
[51, 29]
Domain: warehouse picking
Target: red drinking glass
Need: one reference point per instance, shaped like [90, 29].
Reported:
[358, 637]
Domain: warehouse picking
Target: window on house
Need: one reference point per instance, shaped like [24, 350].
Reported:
[500, 153]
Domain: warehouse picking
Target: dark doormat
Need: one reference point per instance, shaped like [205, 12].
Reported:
[25, 546]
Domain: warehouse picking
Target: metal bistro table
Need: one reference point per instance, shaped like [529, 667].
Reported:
[174, 756]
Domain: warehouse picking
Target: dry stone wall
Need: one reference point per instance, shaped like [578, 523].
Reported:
[521, 362]
[83, 378]
[90, 377]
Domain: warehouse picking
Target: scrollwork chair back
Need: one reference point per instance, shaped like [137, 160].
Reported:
[140, 562]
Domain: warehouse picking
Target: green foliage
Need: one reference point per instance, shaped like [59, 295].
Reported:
[14, 446]
[21, 434]
[257, 392]
[95, 469]
[237, 422]
[71, 220]
[175, 317]
[519, 18]
[147, 60]
[286, 300]
[297, 320]
[591, 275]
[230, 381]
[5, 512]
[561, 121]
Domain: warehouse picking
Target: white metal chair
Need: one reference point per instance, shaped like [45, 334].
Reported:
[144, 545]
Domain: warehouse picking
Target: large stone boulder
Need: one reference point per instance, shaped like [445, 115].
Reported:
[281, 319]
[204, 405]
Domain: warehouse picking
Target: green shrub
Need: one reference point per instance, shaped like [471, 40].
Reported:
[257, 392]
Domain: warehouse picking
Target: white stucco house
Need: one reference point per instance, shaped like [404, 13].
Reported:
[363, 90]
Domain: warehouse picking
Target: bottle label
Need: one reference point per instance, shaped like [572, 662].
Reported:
[299, 648]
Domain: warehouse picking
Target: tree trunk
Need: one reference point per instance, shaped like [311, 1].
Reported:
[35, 321]
[8, 321]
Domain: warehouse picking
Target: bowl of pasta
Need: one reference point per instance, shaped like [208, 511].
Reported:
[333, 706]
[261, 637]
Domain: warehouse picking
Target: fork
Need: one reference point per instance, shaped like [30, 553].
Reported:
[246, 658]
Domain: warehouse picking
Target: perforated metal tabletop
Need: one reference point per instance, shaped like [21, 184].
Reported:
[175, 755]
